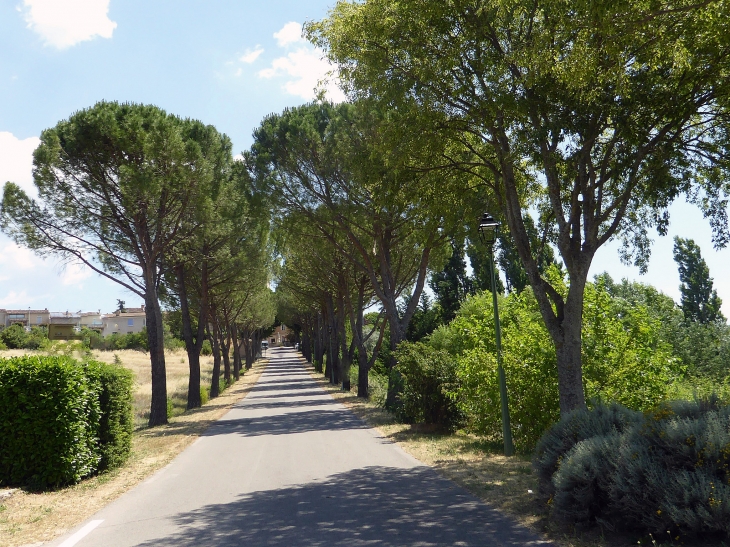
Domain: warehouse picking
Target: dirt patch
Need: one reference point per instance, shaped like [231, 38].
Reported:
[28, 518]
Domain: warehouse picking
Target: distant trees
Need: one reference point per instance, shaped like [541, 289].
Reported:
[344, 170]
[699, 300]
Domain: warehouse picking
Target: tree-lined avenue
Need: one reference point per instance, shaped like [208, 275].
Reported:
[290, 466]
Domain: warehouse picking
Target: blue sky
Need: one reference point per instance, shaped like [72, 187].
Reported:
[227, 63]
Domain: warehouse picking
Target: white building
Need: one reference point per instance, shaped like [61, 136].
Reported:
[130, 321]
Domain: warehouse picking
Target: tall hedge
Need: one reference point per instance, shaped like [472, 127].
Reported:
[61, 420]
[115, 421]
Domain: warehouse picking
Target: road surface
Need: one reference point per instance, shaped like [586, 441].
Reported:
[289, 466]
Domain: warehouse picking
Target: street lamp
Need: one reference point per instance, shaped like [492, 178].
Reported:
[488, 227]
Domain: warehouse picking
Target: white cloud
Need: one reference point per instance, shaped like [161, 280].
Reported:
[308, 71]
[14, 299]
[73, 274]
[64, 23]
[251, 55]
[289, 34]
[16, 161]
[12, 256]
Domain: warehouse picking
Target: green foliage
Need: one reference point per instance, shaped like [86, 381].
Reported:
[664, 470]
[699, 300]
[116, 422]
[16, 337]
[206, 348]
[61, 421]
[451, 285]
[428, 384]
[204, 395]
[49, 415]
[115, 341]
[625, 360]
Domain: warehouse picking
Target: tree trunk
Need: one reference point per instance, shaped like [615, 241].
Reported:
[156, 344]
[233, 329]
[215, 388]
[568, 344]
[193, 345]
[225, 347]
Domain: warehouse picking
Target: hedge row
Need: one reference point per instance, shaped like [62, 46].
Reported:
[61, 420]
[668, 470]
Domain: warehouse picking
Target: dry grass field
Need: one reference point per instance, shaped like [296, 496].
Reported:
[31, 518]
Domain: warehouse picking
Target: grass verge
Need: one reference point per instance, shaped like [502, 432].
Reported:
[476, 464]
[31, 518]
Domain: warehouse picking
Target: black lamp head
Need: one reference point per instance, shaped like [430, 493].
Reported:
[488, 227]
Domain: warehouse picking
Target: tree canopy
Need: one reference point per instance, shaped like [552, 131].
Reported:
[597, 115]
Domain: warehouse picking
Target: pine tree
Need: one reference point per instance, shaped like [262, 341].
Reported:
[699, 301]
[452, 284]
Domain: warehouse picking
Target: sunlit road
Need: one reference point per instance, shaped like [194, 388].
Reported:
[288, 466]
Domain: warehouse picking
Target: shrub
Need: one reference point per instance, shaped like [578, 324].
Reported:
[116, 422]
[204, 395]
[429, 384]
[673, 472]
[61, 420]
[49, 412]
[664, 470]
[624, 360]
[206, 348]
[574, 428]
[14, 337]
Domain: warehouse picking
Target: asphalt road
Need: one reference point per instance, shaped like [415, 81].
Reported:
[289, 466]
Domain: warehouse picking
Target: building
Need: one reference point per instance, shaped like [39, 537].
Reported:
[91, 320]
[130, 321]
[280, 336]
[28, 318]
[63, 325]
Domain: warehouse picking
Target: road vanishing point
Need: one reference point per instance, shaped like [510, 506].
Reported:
[289, 466]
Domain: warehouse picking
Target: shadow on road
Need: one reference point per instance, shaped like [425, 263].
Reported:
[380, 506]
[288, 423]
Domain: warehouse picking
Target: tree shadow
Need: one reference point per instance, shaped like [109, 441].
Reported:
[287, 424]
[381, 506]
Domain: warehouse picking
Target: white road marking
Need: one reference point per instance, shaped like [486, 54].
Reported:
[81, 534]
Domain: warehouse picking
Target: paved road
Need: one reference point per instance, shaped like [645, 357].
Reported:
[288, 466]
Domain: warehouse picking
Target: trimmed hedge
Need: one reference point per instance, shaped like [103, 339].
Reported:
[668, 470]
[61, 420]
[116, 421]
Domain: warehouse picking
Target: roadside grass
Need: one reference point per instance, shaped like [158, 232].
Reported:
[29, 518]
[478, 465]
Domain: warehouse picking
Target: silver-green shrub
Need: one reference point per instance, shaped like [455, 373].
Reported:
[558, 441]
[667, 470]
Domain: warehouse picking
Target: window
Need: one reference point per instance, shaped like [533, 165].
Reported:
[130, 322]
[16, 316]
[39, 319]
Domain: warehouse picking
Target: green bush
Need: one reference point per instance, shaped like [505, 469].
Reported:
[49, 411]
[428, 385]
[14, 336]
[624, 360]
[206, 348]
[61, 420]
[116, 421]
[667, 470]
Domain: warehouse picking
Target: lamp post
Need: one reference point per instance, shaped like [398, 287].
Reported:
[488, 227]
